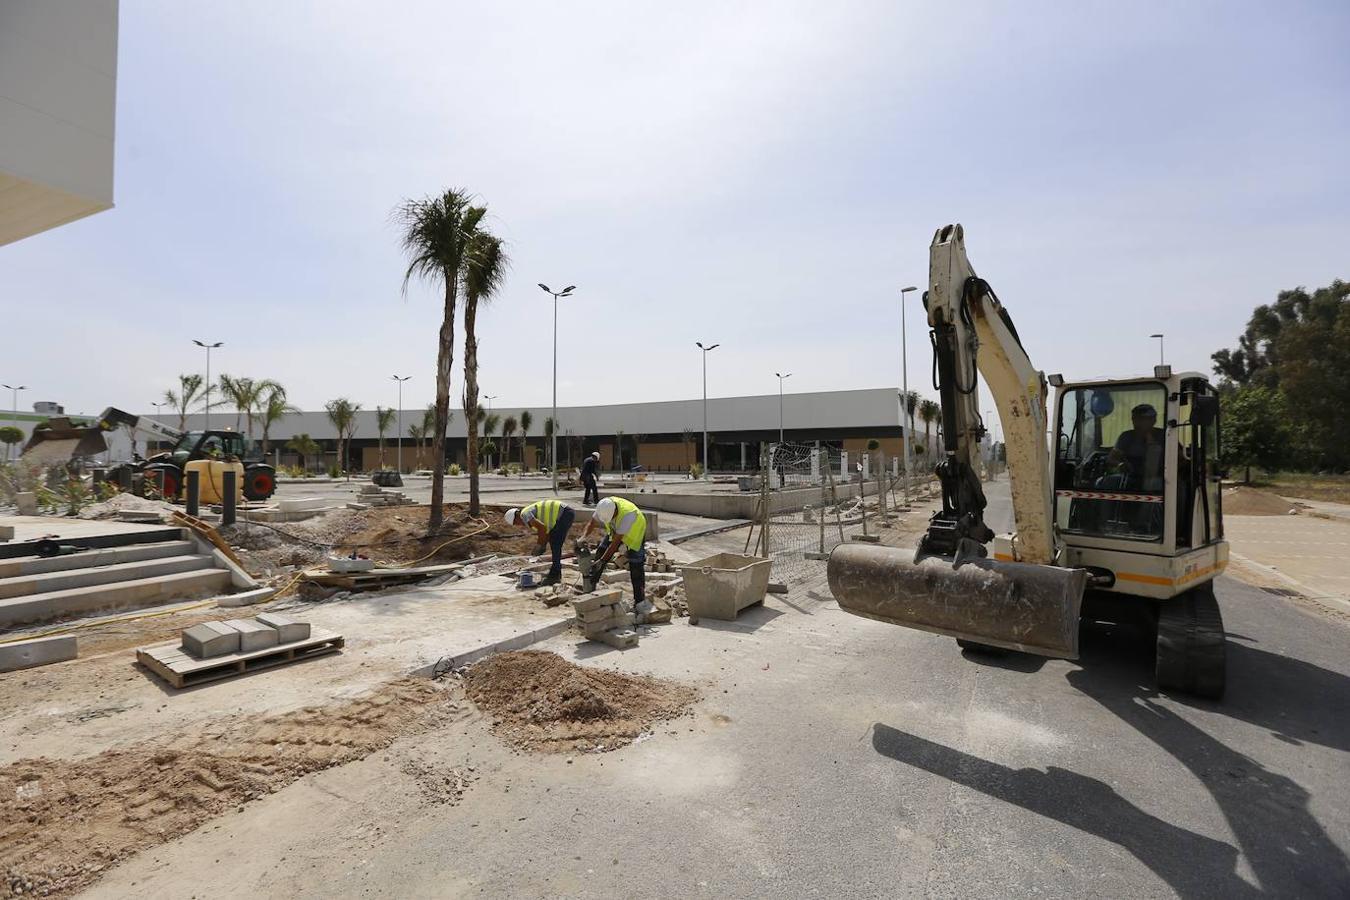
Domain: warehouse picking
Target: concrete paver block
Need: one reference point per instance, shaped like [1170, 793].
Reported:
[37, 652]
[288, 630]
[599, 614]
[599, 598]
[210, 639]
[253, 635]
[620, 638]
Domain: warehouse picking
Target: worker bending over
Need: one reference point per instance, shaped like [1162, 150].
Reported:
[625, 526]
[550, 520]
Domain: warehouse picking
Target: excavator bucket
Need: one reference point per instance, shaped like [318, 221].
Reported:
[1018, 606]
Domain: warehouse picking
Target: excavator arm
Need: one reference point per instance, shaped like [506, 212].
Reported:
[949, 585]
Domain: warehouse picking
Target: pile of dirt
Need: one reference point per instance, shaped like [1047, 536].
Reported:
[540, 701]
[399, 534]
[1249, 501]
[62, 822]
[108, 509]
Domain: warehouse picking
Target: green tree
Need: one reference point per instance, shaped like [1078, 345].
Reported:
[929, 412]
[1254, 429]
[242, 393]
[484, 274]
[306, 447]
[273, 409]
[384, 420]
[526, 420]
[437, 233]
[9, 436]
[416, 432]
[508, 429]
[342, 413]
[191, 388]
[490, 423]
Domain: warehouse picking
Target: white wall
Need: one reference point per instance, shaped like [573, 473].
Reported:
[58, 90]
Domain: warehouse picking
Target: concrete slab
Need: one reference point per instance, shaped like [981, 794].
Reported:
[210, 639]
[37, 652]
[253, 635]
[288, 629]
[30, 528]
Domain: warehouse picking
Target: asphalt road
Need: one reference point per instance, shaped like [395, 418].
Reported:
[833, 756]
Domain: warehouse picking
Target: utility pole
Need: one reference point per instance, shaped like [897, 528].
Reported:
[14, 405]
[706, 351]
[209, 348]
[781, 377]
[553, 438]
[400, 379]
[1162, 360]
[906, 420]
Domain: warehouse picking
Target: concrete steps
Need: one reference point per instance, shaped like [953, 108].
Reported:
[133, 594]
[139, 570]
[35, 565]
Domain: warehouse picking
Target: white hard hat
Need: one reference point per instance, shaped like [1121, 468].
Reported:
[512, 515]
[605, 510]
[596, 454]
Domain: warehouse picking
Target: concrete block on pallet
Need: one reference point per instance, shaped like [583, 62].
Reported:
[210, 639]
[253, 635]
[288, 630]
[599, 598]
[37, 652]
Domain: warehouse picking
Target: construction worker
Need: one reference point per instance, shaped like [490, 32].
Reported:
[550, 520]
[588, 479]
[625, 526]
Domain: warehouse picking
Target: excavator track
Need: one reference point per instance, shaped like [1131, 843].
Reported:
[1191, 654]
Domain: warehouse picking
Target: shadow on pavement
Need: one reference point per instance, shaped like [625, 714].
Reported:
[1287, 849]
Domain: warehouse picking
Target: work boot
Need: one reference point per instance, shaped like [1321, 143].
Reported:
[641, 610]
[551, 578]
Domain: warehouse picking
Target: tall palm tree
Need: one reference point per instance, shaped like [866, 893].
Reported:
[242, 393]
[437, 232]
[483, 276]
[342, 413]
[508, 429]
[273, 408]
[929, 411]
[526, 420]
[304, 445]
[190, 389]
[384, 419]
[263, 391]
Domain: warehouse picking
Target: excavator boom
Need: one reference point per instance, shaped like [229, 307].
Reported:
[949, 585]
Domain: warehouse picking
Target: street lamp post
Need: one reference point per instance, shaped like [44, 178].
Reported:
[14, 404]
[907, 420]
[706, 351]
[400, 379]
[781, 377]
[1162, 361]
[553, 437]
[209, 348]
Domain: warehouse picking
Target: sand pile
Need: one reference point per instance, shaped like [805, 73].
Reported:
[1250, 501]
[540, 701]
[64, 821]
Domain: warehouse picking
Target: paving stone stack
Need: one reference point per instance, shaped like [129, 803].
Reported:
[211, 639]
[372, 495]
[603, 617]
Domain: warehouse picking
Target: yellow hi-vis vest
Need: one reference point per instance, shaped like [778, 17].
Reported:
[546, 511]
[633, 539]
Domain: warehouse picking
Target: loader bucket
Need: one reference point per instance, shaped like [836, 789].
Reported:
[1018, 606]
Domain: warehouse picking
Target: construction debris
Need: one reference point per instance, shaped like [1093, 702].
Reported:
[371, 495]
[376, 579]
[604, 617]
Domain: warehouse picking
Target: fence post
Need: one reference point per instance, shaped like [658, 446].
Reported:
[227, 505]
[194, 492]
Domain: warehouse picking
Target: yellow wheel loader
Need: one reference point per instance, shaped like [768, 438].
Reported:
[1117, 509]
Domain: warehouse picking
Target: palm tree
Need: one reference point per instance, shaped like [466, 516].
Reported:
[190, 388]
[416, 432]
[549, 428]
[508, 429]
[437, 232]
[687, 438]
[526, 420]
[483, 276]
[273, 408]
[384, 418]
[342, 413]
[490, 422]
[242, 393]
[264, 389]
[929, 411]
[304, 445]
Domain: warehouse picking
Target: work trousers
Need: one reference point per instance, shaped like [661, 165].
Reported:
[637, 569]
[592, 489]
[557, 538]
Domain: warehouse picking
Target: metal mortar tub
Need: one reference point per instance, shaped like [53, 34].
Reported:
[722, 585]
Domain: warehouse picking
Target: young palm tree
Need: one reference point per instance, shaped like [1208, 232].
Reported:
[549, 428]
[305, 446]
[342, 413]
[384, 419]
[190, 389]
[490, 422]
[437, 232]
[929, 411]
[416, 432]
[483, 276]
[508, 429]
[264, 389]
[526, 420]
[274, 407]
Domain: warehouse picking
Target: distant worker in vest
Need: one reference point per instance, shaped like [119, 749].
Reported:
[589, 468]
[625, 526]
[550, 520]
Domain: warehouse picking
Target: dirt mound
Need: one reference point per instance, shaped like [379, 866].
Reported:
[1250, 501]
[540, 701]
[64, 821]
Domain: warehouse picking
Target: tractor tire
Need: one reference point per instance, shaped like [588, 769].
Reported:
[173, 480]
[259, 484]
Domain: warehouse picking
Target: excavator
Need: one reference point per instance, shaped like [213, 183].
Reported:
[1117, 510]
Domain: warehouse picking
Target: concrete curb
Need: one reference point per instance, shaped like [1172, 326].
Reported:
[1331, 601]
[516, 642]
[246, 598]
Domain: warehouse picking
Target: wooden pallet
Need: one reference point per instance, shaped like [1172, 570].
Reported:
[169, 662]
[374, 579]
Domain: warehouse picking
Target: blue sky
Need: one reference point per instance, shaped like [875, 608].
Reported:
[766, 176]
